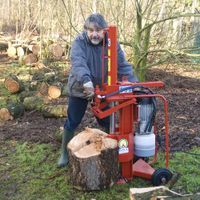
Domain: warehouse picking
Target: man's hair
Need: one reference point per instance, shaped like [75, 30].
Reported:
[97, 20]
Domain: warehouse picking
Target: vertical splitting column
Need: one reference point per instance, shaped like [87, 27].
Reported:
[112, 55]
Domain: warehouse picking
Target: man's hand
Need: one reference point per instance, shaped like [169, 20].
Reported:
[88, 90]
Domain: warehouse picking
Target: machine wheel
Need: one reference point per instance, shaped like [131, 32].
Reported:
[161, 177]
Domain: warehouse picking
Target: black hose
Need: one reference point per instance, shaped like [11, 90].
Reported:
[142, 90]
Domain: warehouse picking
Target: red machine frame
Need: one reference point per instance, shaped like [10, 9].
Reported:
[126, 105]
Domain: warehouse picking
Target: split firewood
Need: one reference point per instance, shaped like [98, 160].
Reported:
[30, 59]
[12, 84]
[55, 90]
[93, 160]
[56, 50]
[159, 192]
[5, 114]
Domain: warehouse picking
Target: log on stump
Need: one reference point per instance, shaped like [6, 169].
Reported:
[12, 84]
[93, 159]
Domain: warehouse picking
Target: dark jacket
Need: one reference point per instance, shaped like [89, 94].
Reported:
[86, 61]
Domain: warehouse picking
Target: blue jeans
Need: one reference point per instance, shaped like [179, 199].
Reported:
[76, 110]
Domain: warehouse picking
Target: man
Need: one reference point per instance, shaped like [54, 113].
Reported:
[86, 73]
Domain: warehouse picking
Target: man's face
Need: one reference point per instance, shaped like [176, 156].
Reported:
[95, 35]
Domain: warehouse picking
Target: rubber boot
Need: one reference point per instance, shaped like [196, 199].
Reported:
[67, 136]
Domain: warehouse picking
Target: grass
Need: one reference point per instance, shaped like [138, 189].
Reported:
[29, 171]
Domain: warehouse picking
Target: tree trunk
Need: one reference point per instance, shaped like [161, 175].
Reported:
[93, 160]
[12, 84]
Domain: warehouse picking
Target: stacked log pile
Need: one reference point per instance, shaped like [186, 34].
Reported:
[30, 54]
[38, 93]
[41, 94]
[30, 51]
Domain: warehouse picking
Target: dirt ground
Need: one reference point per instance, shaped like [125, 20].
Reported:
[182, 90]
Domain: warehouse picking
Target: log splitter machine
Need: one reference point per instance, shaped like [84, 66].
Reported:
[132, 109]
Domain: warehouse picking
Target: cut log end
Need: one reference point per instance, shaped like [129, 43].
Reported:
[12, 84]
[5, 114]
[54, 92]
[12, 51]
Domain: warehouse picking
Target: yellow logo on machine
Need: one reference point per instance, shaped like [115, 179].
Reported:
[123, 146]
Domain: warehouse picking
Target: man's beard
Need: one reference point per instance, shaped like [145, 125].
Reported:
[95, 41]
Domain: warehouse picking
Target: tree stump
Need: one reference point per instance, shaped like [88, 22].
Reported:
[93, 159]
